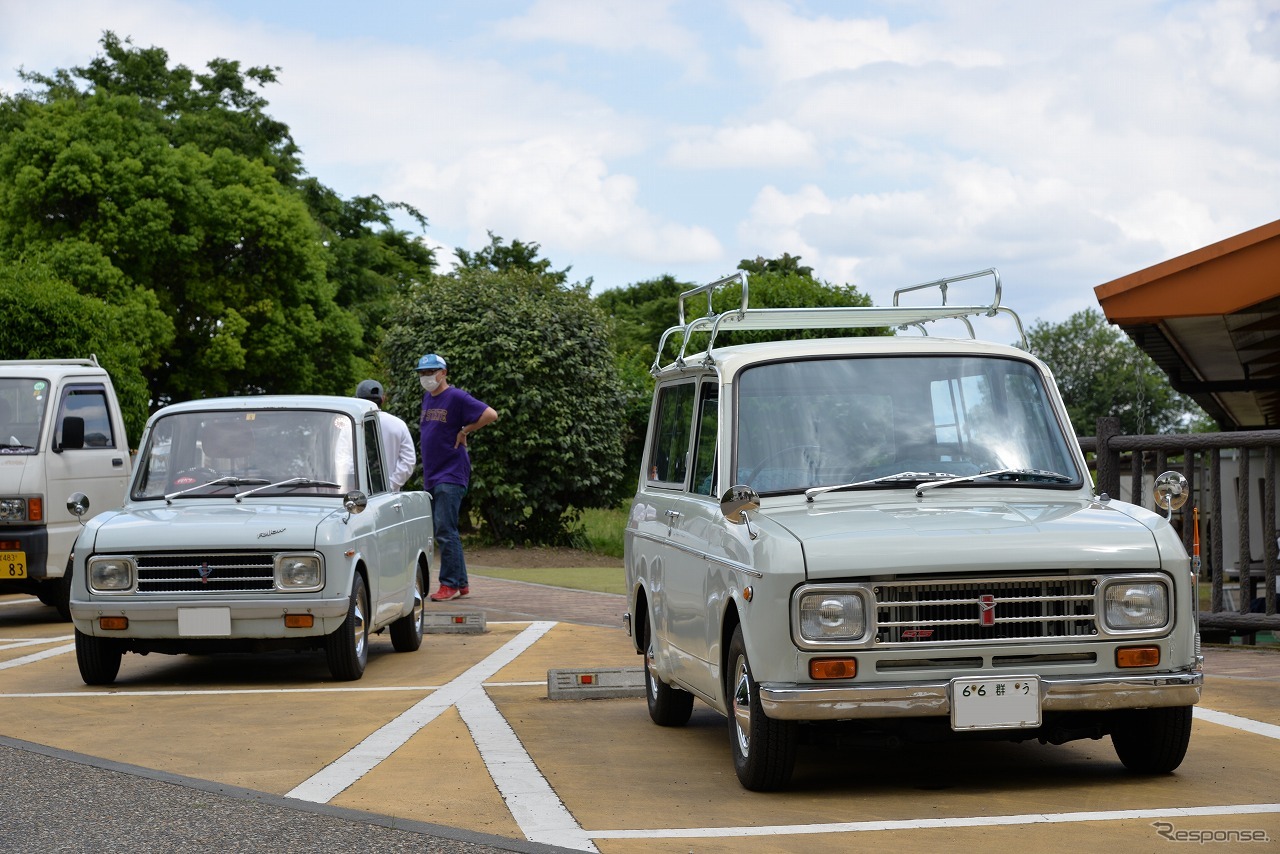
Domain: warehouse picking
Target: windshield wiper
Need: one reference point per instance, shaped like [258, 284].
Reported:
[1003, 474]
[903, 477]
[228, 480]
[293, 481]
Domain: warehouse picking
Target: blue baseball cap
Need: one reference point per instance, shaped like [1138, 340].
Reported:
[431, 362]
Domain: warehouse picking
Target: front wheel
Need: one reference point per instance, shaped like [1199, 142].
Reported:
[347, 649]
[764, 750]
[668, 706]
[406, 632]
[99, 659]
[1152, 741]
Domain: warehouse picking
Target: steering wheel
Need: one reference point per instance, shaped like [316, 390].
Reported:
[760, 466]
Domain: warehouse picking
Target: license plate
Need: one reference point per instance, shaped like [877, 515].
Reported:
[1009, 703]
[13, 565]
[204, 622]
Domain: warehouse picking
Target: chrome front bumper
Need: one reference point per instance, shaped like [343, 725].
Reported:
[930, 699]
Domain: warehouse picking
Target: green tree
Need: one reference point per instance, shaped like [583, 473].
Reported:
[539, 352]
[1100, 373]
[128, 173]
[46, 318]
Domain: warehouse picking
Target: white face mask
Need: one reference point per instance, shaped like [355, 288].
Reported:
[429, 382]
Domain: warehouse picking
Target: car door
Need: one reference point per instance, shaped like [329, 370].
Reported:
[693, 600]
[96, 466]
[389, 573]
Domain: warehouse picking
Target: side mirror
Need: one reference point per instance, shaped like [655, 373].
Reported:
[78, 505]
[72, 433]
[736, 502]
[355, 502]
[1171, 491]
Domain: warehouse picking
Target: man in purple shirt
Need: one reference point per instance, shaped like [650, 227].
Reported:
[449, 416]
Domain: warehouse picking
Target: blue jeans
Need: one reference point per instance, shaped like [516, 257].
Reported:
[446, 501]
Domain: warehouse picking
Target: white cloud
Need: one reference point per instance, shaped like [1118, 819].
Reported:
[767, 145]
[611, 26]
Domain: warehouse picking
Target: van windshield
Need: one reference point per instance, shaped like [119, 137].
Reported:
[821, 422]
[22, 406]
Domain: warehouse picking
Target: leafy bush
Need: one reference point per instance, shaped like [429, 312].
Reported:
[539, 353]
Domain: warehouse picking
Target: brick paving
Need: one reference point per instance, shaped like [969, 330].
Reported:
[501, 600]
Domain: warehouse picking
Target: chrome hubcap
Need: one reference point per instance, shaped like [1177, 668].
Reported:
[742, 705]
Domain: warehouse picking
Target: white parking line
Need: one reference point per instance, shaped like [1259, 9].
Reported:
[537, 809]
[14, 643]
[1237, 722]
[37, 656]
[324, 785]
[932, 823]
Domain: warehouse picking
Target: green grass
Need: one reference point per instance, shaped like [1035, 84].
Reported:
[603, 530]
[597, 579]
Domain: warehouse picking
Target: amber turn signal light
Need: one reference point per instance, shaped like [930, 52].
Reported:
[299, 621]
[113, 623]
[1138, 656]
[833, 668]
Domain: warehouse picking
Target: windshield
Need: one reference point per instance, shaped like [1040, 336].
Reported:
[219, 453]
[22, 403]
[822, 422]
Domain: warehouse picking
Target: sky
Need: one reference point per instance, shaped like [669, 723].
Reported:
[884, 143]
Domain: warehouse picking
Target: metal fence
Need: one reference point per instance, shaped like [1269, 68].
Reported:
[1200, 458]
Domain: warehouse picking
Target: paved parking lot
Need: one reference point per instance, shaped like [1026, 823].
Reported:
[457, 747]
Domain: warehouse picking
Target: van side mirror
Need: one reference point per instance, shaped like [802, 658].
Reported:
[72, 433]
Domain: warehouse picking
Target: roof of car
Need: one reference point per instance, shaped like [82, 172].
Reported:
[350, 405]
[732, 359]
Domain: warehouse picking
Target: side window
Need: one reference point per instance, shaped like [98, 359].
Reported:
[373, 455]
[669, 447]
[87, 402]
[704, 444]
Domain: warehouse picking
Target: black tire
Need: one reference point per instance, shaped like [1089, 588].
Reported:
[764, 750]
[1152, 741]
[406, 632]
[668, 706]
[99, 659]
[62, 594]
[347, 648]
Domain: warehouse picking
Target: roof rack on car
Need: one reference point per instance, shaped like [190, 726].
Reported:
[838, 317]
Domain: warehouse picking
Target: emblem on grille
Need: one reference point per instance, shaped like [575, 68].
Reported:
[205, 570]
[987, 609]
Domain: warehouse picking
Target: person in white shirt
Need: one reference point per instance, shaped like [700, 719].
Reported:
[399, 452]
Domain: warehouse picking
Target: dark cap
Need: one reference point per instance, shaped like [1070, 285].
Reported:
[370, 390]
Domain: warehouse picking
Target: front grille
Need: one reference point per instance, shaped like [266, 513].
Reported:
[1019, 609]
[226, 572]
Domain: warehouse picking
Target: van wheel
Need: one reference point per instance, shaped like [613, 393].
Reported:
[99, 659]
[406, 632]
[347, 648]
[668, 706]
[1152, 741]
[764, 750]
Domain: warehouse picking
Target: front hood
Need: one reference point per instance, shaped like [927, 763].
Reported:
[935, 535]
[205, 525]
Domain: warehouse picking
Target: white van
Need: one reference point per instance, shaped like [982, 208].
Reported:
[896, 538]
[61, 433]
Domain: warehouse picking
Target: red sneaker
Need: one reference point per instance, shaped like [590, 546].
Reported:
[463, 591]
[445, 593]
